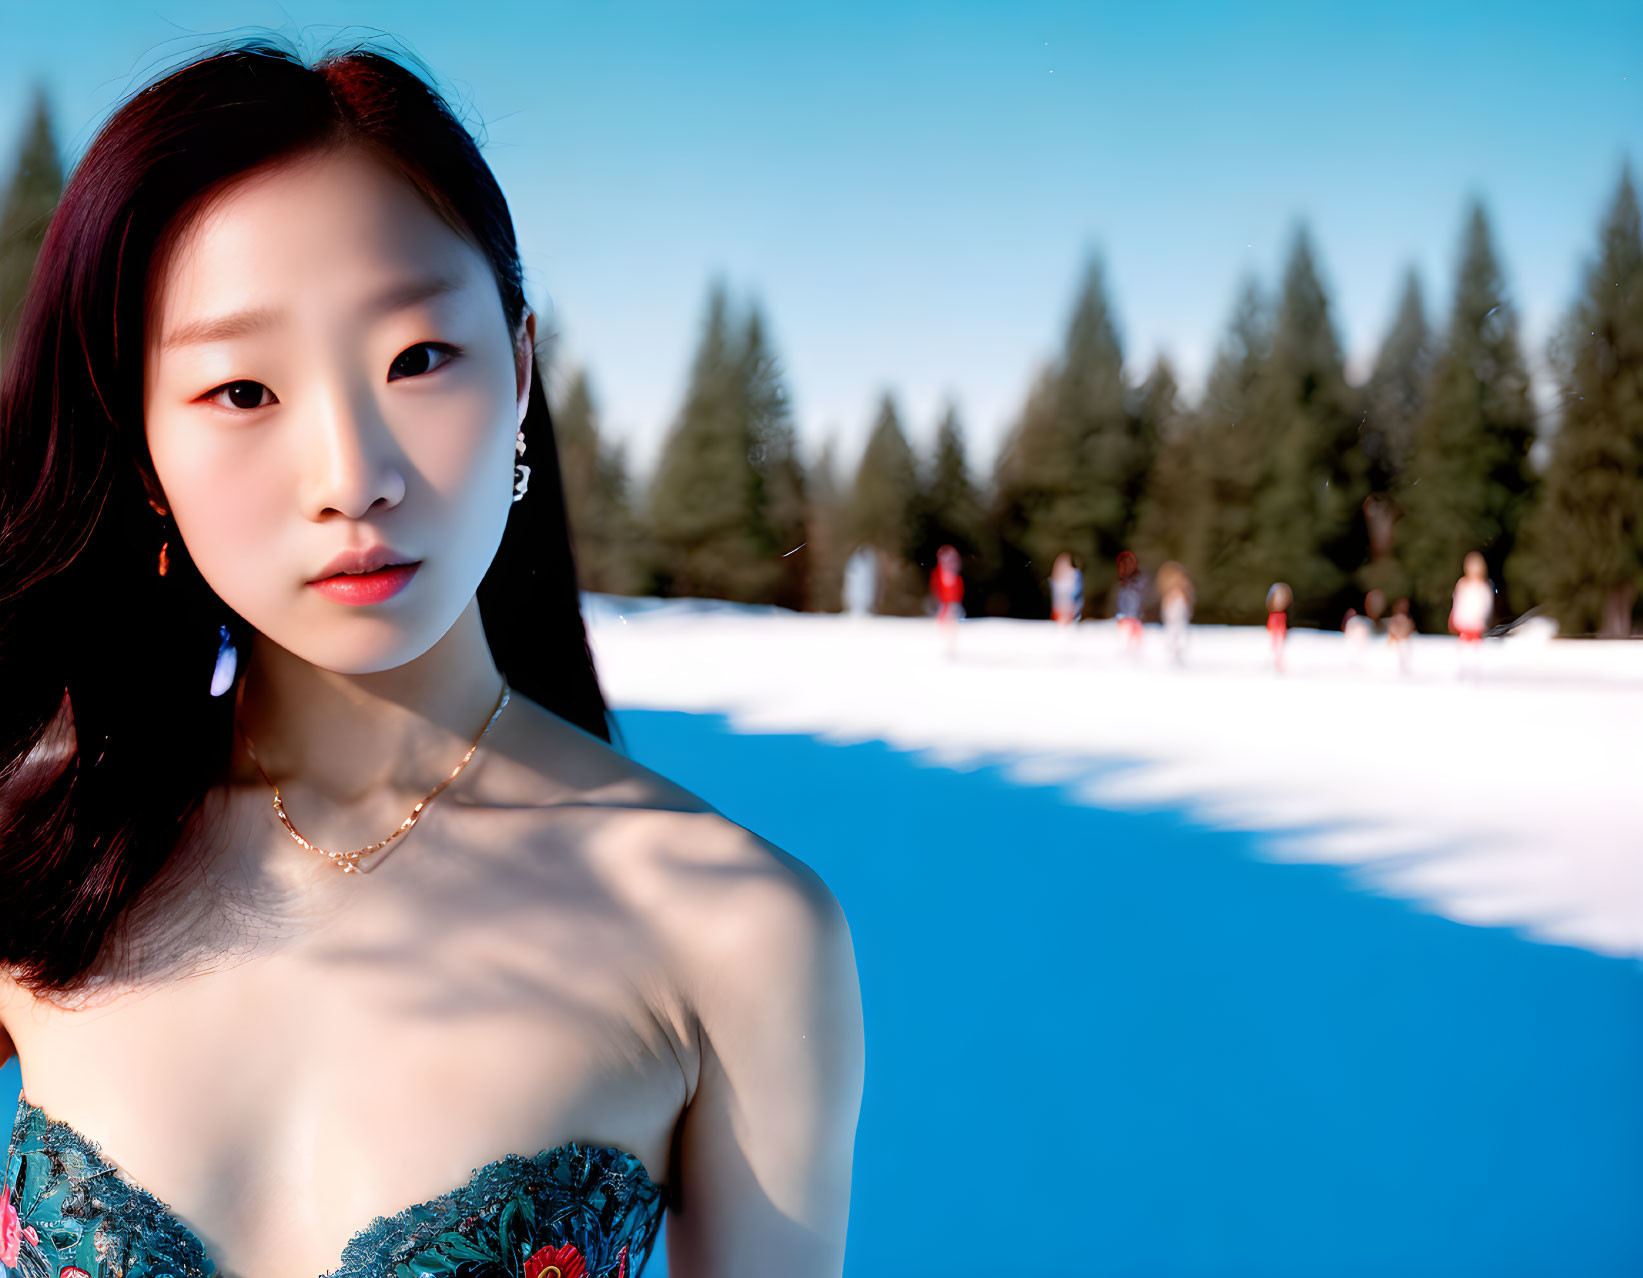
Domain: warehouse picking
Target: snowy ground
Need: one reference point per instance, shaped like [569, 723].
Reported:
[1513, 796]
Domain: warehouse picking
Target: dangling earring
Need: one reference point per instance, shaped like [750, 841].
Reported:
[165, 560]
[521, 472]
[222, 678]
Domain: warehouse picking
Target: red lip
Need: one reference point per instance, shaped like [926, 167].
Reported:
[367, 587]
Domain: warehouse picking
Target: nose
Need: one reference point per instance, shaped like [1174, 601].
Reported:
[353, 463]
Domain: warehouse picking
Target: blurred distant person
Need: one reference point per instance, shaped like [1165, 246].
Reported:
[1473, 609]
[1359, 630]
[1132, 587]
[1175, 600]
[860, 581]
[1400, 633]
[1066, 590]
[947, 585]
[1374, 607]
[1278, 600]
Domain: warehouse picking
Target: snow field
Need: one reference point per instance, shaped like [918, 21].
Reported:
[1503, 791]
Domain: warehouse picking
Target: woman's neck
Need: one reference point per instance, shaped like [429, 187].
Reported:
[342, 739]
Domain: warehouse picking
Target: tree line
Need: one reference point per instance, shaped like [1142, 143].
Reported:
[1280, 470]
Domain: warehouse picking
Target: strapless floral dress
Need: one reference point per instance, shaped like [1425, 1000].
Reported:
[574, 1211]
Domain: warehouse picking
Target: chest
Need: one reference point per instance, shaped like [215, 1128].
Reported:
[281, 1103]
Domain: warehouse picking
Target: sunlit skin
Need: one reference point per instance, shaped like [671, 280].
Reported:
[340, 422]
[566, 947]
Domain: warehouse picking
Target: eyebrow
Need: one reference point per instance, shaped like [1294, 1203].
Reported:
[224, 328]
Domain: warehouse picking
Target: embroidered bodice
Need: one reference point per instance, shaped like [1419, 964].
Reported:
[574, 1211]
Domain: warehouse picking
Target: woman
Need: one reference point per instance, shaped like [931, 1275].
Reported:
[947, 588]
[1066, 590]
[1175, 607]
[1131, 591]
[339, 938]
[1278, 599]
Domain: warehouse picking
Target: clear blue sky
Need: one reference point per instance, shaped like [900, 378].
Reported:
[910, 188]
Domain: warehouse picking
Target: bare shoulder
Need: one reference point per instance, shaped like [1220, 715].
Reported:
[544, 760]
[762, 955]
[732, 908]
[728, 898]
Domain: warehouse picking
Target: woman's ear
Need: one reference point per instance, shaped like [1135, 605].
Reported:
[152, 490]
[524, 358]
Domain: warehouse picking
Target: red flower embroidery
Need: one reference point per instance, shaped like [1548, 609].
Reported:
[556, 1262]
[72, 1271]
[11, 1230]
[622, 1272]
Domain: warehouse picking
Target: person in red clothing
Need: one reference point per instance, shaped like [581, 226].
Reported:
[947, 585]
[1132, 587]
[1277, 621]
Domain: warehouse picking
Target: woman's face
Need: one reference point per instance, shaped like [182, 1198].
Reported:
[328, 368]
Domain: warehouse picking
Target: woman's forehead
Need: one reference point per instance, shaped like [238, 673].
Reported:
[324, 230]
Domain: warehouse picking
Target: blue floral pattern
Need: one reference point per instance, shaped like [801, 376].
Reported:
[67, 1212]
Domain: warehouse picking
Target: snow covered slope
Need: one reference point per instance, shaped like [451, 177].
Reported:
[1511, 796]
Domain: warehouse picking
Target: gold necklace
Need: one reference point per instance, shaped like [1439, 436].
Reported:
[348, 862]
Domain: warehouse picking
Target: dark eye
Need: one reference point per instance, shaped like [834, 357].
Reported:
[243, 394]
[415, 361]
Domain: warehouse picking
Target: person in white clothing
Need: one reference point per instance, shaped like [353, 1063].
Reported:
[1175, 605]
[860, 581]
[1473, 609]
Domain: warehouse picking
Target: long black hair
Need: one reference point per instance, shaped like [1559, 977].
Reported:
[109, 739]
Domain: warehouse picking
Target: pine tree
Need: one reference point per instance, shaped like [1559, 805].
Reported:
[727, 503]
[825, 517]
[1030, 459]
[1308, 519]
[596, 494]
[1093, 402]
[1170, 520]
[1153, 412]
[30, 197]
[948, 507]
[776, 498]
[1468, 482]
[883, 510]
[1392, 399]
[1217, 534]
[696, 516]
[1583, 552]
[1075, 462]
[1392, 406]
